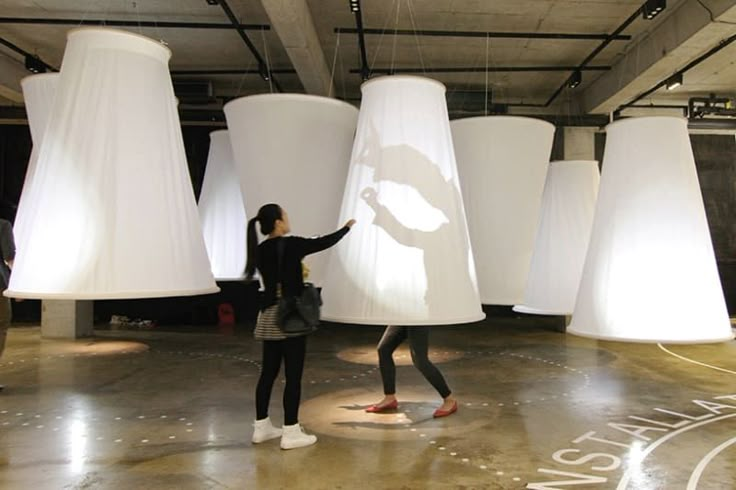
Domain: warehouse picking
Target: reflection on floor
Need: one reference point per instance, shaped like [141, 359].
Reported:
[539, 410]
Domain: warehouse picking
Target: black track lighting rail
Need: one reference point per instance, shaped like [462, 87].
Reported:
[26, 54]
[263, 67]
[479, 34]
[236, 71]
[571, 80]
[132, 23]
[477, 69]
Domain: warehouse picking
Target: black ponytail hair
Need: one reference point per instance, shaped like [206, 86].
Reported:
[267, 217]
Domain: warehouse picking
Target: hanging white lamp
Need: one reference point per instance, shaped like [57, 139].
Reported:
[650, 274]
[502, 161]
[38, 93]
[408, 261]
[294, 150]
[566, 217]
[113, 214]
[221, 211]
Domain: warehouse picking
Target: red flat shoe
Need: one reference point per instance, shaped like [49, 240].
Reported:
[444, 413]
[383, 408]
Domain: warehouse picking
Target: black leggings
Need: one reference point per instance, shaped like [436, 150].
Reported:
[292, 351]
[419, 345]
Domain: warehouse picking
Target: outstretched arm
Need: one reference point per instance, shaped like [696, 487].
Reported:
[314, 245]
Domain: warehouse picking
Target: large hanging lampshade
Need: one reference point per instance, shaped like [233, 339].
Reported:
[568, 203]
[113, 214]
[502, 161]
[221, 211]
[38, 93]
[408, 261]
[294, 150]
[650, 273]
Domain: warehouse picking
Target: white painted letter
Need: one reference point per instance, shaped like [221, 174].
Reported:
[589, 437]
[580, 480]
[638, 430]
[713, 406]
[615, 460]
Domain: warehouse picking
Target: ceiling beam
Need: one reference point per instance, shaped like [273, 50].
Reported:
[694, 27]
[292, 21]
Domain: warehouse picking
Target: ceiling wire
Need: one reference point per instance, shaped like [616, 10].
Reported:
[488, 41]
[268, 61]
[396, 26]
[382, 36]
[334, 63]
[416, 36]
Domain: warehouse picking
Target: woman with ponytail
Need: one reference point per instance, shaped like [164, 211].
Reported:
[281, 276]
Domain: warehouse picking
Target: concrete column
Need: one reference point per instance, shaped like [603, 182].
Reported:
[579, 143]
[62, 319]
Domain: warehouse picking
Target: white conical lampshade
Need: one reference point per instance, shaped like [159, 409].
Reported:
[566, 218]
[38, 93]
[650, 273]
[294, 150]
[408, 261]
[113, 214]
[502, 161]
[221, 211]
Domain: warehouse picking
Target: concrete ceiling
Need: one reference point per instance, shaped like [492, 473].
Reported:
[302, 39]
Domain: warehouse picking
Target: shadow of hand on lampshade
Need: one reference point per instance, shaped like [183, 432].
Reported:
[423, 191]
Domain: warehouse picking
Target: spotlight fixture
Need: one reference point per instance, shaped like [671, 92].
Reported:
[653, 8]
[574, 79]
[212, 2]
[264, 71]
[355, 6]
[674, 81]
[35, 65]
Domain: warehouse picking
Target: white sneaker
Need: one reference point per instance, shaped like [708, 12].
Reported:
[263, 430]
[294, 437]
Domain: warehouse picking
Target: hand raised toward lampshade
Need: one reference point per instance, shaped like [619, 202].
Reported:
[370, 197]
[350, 223]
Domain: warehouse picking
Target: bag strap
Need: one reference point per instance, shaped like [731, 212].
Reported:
[280, 245]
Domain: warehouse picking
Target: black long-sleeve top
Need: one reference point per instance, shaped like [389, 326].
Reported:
[7, 250]
[295, 249]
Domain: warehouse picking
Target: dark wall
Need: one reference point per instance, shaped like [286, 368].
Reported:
[715, 159]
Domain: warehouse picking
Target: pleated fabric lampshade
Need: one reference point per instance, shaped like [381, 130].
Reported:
[221, 211]
[294, 150]
[650, 273]
[502, 161]
[408, 261]
[566, 217]
[113, 212]
[38, 93]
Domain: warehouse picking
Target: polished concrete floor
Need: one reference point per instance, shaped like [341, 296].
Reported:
[539, 409]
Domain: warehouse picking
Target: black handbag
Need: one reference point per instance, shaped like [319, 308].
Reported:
[298, 314]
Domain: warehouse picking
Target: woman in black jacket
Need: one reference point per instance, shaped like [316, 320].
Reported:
[281, 276]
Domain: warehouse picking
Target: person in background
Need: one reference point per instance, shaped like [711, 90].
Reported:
[7, 249]
[281, 276]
